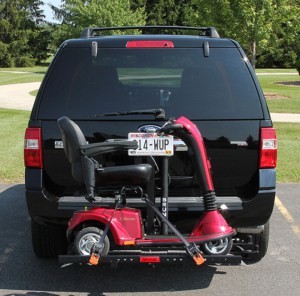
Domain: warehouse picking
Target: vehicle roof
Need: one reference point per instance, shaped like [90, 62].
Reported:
[178, 40]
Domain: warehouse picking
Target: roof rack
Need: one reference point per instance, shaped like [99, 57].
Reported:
[204, 31]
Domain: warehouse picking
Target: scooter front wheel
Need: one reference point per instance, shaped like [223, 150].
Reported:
[219, 247]
[86, 239]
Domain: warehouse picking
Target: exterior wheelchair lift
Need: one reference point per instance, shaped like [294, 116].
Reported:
[120, 234]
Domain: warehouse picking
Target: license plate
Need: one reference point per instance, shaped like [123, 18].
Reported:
[151, 144]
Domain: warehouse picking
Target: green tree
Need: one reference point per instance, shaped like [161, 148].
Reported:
[169, 12]
[266, 29]
[283, 48]
[248, 21]
[161, 12]
[21, 28]
[135, 4]
[78, 14]
[297, 62]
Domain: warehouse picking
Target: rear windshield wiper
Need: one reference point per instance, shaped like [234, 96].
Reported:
[159, 113]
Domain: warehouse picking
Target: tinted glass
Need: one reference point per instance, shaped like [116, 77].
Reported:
[180, 80]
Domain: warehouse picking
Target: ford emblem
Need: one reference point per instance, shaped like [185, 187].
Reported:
[149, 128]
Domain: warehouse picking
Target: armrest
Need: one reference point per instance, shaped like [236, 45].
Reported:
[107, 147]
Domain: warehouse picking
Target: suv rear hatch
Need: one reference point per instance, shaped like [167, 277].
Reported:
[207, 80]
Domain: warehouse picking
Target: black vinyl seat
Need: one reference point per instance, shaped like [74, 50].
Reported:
[87, 171]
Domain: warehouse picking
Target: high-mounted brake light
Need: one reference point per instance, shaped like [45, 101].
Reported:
[33, 148]
[268, 148]
[149, 44]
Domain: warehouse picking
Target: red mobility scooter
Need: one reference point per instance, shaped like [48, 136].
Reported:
[118, 234]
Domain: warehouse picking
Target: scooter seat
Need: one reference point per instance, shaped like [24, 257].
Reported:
[138, 175]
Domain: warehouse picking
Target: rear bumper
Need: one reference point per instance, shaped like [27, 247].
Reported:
[251, 213]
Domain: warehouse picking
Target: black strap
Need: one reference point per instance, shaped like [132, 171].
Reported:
[99, 246]
[191, 248]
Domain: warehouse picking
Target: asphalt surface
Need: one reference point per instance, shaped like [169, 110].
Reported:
[21, 273]
[17, 96]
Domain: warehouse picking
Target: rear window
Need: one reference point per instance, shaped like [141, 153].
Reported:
[180, 80]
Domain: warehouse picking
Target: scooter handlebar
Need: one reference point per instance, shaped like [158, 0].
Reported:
[170, 127]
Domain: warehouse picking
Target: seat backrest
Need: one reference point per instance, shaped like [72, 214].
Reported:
[73, 139]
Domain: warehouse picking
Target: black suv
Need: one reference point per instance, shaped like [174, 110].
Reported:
[199, 75]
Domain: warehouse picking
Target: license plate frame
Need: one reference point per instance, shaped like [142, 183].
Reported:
[151, 144]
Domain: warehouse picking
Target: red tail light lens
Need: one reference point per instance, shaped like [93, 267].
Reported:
[268, 148]
[150, 259]
[33, 148]
[149, 44]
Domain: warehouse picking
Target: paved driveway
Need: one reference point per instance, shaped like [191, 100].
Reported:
[17, 96]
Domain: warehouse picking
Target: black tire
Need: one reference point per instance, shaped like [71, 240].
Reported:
[219, 247]
[262, 240]
[85, 239]
[48, 241]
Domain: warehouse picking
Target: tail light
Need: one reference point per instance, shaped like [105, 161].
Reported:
[33, 148]
[268, 148]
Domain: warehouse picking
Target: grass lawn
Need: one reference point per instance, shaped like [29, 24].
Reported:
[288, 165]
[290, 95]
[274, 70]
[13, 124]
[22, 75]
[34, 92]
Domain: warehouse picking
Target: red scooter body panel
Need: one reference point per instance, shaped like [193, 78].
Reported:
[126, 224]
[211, 226]
[212, 223]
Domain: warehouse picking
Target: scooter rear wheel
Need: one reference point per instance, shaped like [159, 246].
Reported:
[86, 239]
[219, 247]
